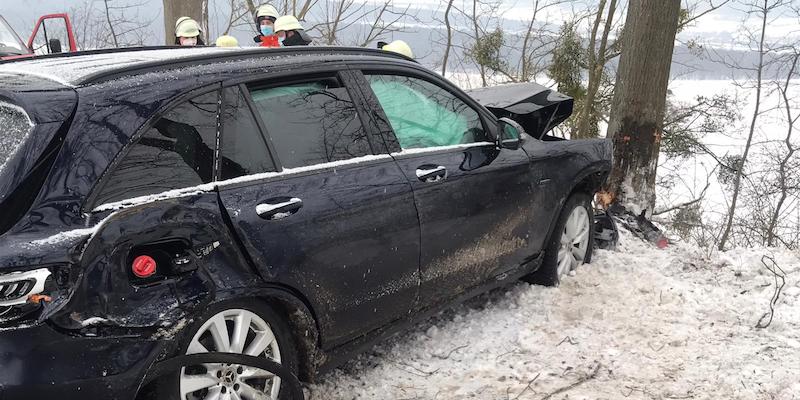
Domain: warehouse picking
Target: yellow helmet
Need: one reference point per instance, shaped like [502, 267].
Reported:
[186, 27]
[399, 47]
[266, 10]
[227, 41]
[287, 23]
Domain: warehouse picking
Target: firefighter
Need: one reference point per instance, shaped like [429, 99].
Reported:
[398, 46]
[187, 32]
[290, 32]
[265, 18]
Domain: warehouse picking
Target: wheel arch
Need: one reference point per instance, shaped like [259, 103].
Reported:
[589, 181]
[300, 316]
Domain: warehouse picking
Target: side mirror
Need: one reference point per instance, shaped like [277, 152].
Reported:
[509, 134]
[55, 46]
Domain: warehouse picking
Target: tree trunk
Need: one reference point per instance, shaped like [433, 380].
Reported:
[637, 115]
[174, 9]
[449, 37]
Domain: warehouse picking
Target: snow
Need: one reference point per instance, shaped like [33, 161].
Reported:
[70, 71]
[70, 234]
[637, 323]
[208, 187]
[265, 208]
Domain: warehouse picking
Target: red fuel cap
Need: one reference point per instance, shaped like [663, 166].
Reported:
[144, 266]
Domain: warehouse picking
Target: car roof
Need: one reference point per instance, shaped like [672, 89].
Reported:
[86, 67]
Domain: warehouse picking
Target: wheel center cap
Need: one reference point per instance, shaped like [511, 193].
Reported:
[229, 376]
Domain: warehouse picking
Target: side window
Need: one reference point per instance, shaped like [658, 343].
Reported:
[177, 152]
[312, 122]
[423, 114]
[243, 150]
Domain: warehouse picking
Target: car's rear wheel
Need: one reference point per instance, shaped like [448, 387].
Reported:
[242, 327]
[570, 243]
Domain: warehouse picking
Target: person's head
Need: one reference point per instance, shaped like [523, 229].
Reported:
[399, 47]
[227, 41]
[289, 30]
[265, 19]
[187, 32]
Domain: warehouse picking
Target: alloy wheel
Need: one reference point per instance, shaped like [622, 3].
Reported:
[574, 241]
[232, 331]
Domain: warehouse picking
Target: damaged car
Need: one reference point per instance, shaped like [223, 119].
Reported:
[293, 204]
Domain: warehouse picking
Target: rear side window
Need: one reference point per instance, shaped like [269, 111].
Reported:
[243, 150]
[423, 114]
[311, 122]
[177, 152]
[15, 126]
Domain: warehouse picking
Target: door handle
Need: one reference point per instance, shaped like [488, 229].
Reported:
[431, 173]
[274, 209]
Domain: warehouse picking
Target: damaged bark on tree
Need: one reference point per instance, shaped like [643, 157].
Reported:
[637, 116]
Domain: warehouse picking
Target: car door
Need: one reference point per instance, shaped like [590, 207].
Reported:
[336, 222]
[476, 202]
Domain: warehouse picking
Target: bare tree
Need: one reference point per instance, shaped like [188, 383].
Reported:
[449, 42]
[596, 61]
[783, 167]
[111, 24]
[762, 8]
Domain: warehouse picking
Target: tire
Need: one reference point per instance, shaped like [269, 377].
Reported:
[202, 332]
[554, 268]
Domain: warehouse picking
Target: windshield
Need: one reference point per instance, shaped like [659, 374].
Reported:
[15, 126]
[10, 43]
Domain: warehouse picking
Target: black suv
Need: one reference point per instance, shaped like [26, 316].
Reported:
[294, 204]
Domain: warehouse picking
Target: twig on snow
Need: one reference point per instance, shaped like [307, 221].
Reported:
[526, 387]
[568, 340]
[576, 384]
[419, 372]
[777, 273]
[450, 353]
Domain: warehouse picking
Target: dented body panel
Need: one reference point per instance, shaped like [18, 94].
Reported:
[371, 248]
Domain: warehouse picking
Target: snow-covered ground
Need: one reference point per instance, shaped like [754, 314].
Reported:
[637, 323]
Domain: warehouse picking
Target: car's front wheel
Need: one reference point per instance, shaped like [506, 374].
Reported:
[570, 243]
[242, 327]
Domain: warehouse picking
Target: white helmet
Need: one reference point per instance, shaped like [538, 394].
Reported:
[287, 23]
[266, 10]
[400, 47]
[227, 41]
[186, 27]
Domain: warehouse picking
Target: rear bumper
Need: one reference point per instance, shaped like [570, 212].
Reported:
[39, 362]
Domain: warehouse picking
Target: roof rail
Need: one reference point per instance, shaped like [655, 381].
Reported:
[242, 54]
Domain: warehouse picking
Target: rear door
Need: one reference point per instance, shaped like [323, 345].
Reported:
[336, 221]
[475, 201]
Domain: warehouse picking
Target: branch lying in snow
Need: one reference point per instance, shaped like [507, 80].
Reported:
[419, 372]
[576, 384]
[568, 340]
[778, 273]
[526, 387]
[450, 353]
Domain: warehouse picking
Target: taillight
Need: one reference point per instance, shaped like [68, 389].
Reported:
[144, 266]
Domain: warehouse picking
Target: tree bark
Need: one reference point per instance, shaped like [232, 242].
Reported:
[637, 115]
[174, 9]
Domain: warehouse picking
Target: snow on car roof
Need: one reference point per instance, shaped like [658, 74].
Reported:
[75, 69]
